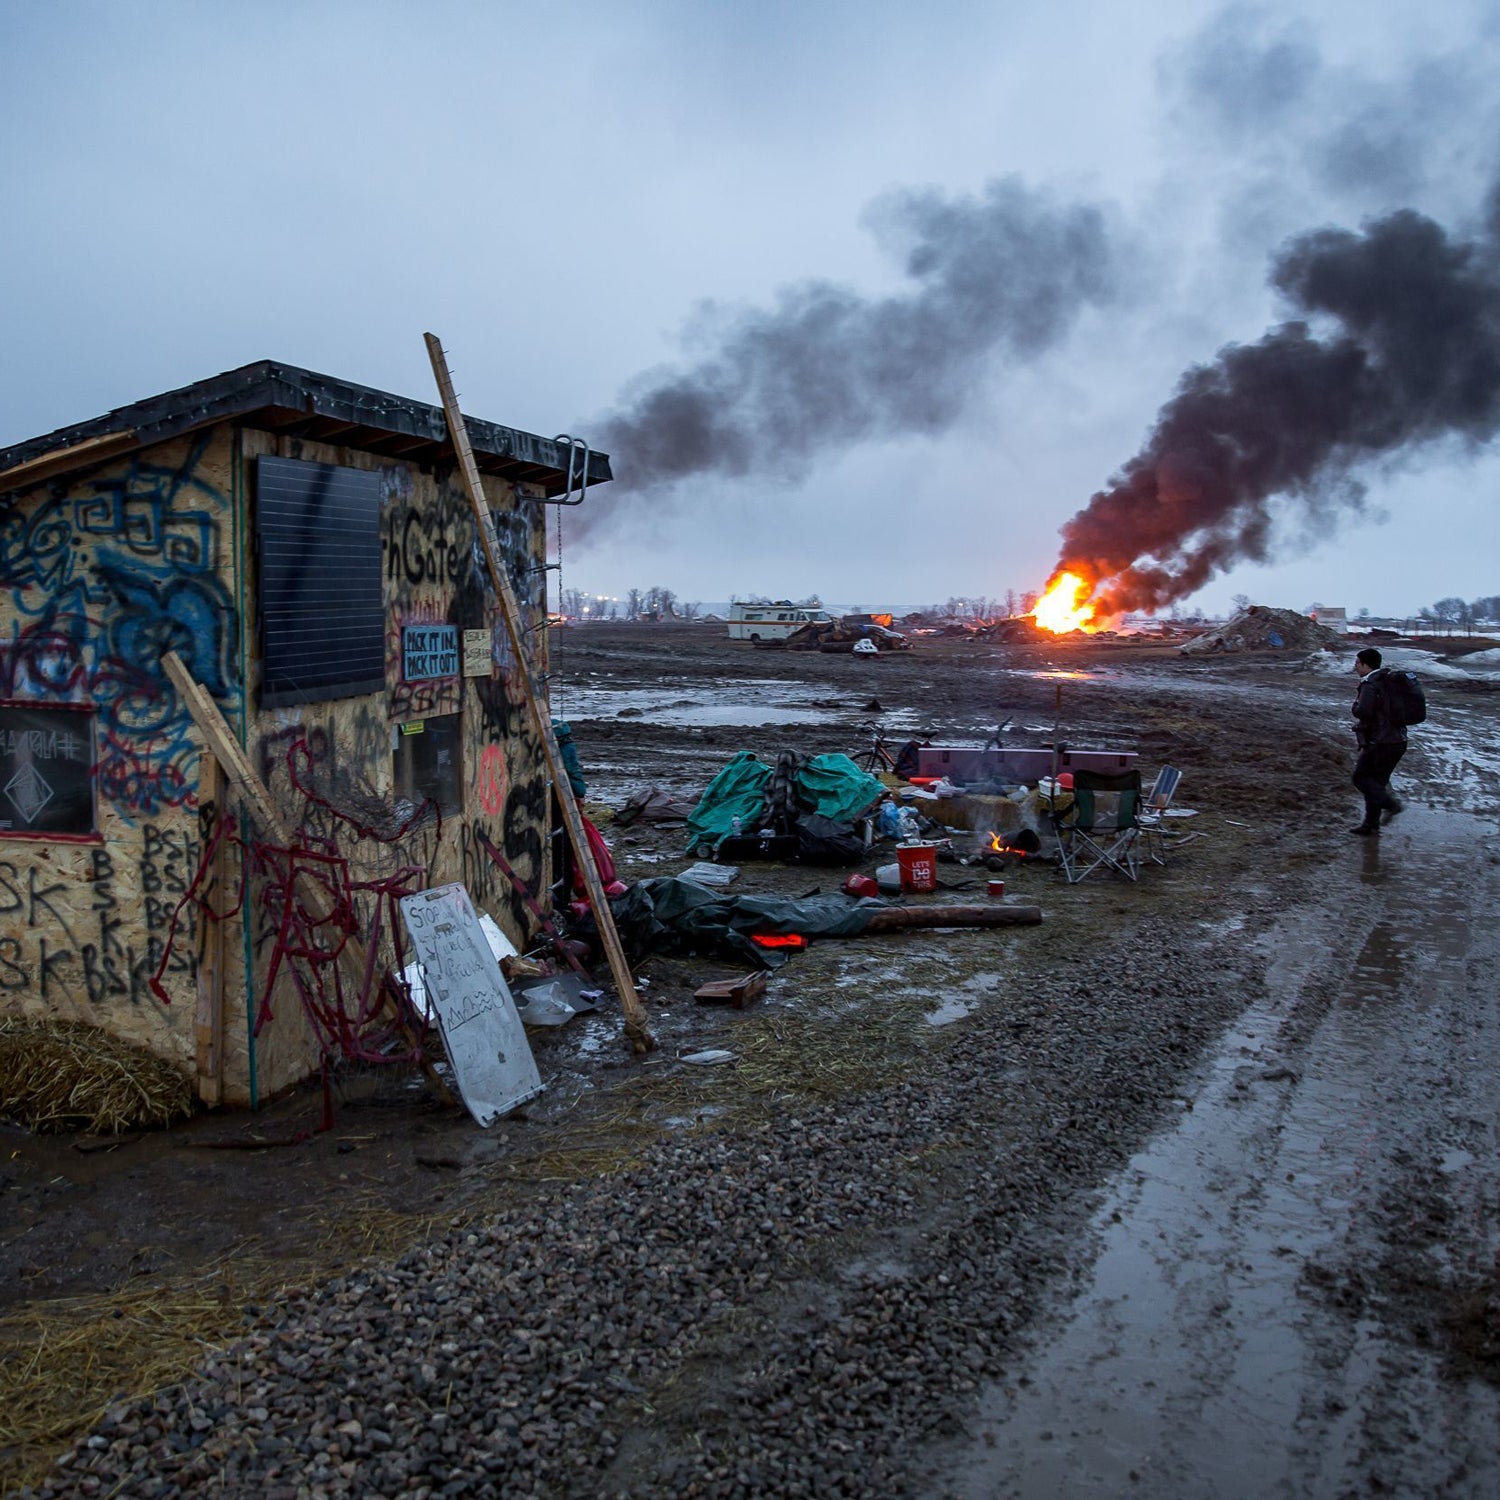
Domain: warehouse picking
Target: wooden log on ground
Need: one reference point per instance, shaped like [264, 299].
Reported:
[899, 918]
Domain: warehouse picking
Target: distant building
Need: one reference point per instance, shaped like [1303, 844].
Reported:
[1334, 617]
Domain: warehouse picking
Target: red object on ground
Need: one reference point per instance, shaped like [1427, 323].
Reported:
[861, 885]
[603, 862]
[778, 940]
[918, 867]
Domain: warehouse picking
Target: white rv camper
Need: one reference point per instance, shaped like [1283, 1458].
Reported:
[773, 621]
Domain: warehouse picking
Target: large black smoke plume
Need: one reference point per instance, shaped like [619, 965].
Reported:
[825, 367]
[1397, 344]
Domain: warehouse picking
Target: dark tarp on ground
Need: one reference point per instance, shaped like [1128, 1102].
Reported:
[669, 913]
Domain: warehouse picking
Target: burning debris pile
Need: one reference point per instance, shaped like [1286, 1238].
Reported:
[1391, 343]
[1261, 628]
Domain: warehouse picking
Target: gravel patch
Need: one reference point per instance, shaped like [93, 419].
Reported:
[790, 1309]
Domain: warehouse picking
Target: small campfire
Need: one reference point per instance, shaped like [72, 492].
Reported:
[1005, 849]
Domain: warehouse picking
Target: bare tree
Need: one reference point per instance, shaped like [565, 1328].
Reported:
[660, 603]
[633, 604]
[1241, 603]
[1452, 612]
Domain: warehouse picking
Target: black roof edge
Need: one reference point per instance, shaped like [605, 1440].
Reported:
[266, 385]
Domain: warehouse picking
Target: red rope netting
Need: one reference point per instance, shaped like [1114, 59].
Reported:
[318, 908]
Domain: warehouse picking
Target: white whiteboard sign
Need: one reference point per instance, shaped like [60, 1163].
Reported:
[482, 1034]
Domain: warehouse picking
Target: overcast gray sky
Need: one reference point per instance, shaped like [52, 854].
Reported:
[941, 263]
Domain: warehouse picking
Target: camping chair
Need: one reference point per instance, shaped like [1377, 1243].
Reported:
[1156, 817]
[1099, 828]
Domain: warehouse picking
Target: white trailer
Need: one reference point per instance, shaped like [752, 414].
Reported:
[774, 620]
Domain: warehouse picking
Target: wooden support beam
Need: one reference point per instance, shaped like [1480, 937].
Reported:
[900, 918]
[636, 1031]
[226, 749]
[241, 774]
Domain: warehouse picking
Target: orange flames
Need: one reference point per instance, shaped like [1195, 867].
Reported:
[997, 846]
[1065, 606]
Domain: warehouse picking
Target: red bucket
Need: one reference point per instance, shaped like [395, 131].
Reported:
[918, 867]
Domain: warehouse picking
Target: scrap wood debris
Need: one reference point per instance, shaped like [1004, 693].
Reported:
[1262, 628]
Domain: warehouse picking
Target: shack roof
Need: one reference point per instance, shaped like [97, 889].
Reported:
[295, 403]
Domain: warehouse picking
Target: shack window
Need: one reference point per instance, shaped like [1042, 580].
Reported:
[322, 615]
[48, 771]
[426, 763]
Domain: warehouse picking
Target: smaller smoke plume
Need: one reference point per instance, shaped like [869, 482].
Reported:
[825, 367]
[1409, 354]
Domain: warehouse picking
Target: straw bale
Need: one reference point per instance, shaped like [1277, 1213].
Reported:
[68, 1075]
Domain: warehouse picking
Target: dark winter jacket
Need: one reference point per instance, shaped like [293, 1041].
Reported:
[1373, 724]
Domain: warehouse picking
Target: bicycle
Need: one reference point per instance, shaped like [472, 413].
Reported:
[877, 757]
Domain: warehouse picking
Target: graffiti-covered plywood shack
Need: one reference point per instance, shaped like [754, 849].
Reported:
[306, 549]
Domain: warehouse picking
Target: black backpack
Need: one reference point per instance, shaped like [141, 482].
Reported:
[1404, 697]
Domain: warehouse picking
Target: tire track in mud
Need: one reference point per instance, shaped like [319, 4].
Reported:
[1288, 1280]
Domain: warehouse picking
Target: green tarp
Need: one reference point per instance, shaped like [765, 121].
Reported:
[830, 785]
[834, 787]
[738, 791]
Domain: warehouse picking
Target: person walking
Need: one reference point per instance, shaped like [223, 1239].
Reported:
[1381, 737]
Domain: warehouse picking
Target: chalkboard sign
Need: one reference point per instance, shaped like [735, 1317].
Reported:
[46, 770]
[477, 1020]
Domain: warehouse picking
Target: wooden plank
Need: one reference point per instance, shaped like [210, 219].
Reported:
[221, 741]
[899, 918]
[94, 450]
[226, 749]
[209, 1021]
[636, 1032]
[738, 992]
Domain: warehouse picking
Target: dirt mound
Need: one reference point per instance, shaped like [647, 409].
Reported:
[1261, 628]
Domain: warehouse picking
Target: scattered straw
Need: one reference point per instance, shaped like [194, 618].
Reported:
[573, 1163]
[68, 1075]
[787, 1057]
[64, 1363]
[792, 1055]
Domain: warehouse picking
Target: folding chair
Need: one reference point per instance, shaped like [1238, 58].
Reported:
[1157, 832]
[1099, 829]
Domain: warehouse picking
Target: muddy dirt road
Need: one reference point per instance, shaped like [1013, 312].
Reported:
[1190, 1190]
[1290, 1289]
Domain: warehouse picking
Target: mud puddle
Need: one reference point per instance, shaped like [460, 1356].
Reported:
[749, 703]
[1269, 1310]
